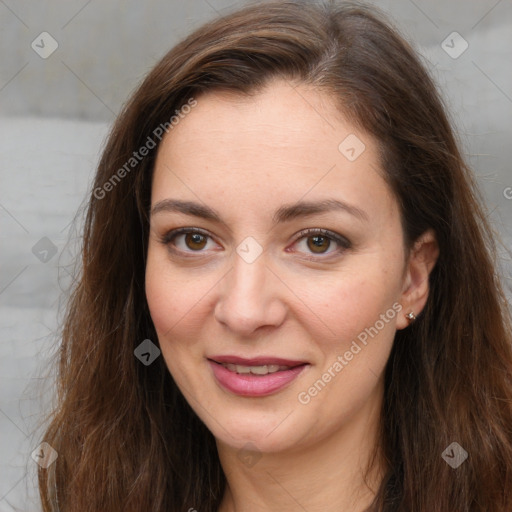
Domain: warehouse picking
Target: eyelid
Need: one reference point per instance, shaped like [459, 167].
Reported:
[342, 242]
[169, 236]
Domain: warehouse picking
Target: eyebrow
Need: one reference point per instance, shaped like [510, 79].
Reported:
[285, 213]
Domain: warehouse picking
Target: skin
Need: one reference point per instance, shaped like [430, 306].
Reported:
[245, 157]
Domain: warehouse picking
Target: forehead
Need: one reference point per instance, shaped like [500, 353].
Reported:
[279, 145]
[280, 118]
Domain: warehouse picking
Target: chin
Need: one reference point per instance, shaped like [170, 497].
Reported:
[273, 435]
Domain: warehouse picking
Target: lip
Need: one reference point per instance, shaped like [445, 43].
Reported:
[255, 361]
[249, 385]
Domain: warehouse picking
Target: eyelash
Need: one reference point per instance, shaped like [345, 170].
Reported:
[342, 242]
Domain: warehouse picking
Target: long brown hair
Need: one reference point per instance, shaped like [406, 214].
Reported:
[128, 441]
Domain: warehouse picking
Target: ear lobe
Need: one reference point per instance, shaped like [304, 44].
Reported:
[422, 260]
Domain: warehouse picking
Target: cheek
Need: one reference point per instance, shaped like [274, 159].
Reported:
[173, 297]
[359, 317]
[174, 304]
[161, 295]
[362, 307]
[354, 302]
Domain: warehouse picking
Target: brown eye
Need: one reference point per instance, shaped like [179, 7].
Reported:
[318, 244]
[188, 240]
[321, 242]
[195, 241]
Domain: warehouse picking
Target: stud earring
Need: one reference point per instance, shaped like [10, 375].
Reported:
[411, 317]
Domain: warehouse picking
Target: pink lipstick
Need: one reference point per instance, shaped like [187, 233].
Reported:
[255, 377]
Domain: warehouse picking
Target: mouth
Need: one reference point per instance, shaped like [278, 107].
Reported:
[256, 365]
[256, 376]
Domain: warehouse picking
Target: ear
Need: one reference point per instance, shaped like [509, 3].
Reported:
[421, 261]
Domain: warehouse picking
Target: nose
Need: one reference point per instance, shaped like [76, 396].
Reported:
[250, 298]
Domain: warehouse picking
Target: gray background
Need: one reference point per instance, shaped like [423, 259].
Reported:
[55, 113]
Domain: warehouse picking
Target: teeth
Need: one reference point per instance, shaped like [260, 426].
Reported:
[256, 370]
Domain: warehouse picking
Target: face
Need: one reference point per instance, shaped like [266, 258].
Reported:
[276, 244]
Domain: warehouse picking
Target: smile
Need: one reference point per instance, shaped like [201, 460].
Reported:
[255, 380]
[255, 370]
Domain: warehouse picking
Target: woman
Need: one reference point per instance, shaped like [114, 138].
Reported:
[288, 298]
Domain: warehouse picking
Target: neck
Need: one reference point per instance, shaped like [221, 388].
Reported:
[329, 475]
